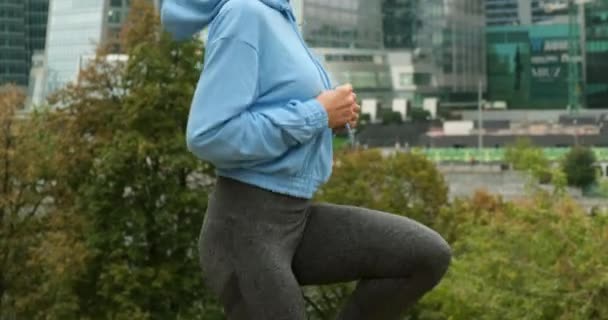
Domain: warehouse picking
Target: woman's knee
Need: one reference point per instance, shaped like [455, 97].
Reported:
[438, 258]
[444, 256]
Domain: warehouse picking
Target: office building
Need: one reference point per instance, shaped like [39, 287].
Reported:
[596, 58]
[550, 11]
[525, 12]
[75, 30]
[353, 24]
[22, 32]
[400, 22]
[528, 66]
[508, 12]
[437, 48]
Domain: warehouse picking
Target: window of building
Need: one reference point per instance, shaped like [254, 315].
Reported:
[385, 80]
[422, 79]
[406, 79]
[364, 79]
[114, 16]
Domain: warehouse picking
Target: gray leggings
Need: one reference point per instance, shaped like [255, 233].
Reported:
[258, 247]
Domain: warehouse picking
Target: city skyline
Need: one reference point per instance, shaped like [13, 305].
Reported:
[391, 49]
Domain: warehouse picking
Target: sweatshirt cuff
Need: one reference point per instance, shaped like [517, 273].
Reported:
[316, 115]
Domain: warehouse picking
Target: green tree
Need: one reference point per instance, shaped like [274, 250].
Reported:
[533, 259]
[524, 156]
[403, 183]
[578, 166]
[142, 194]
[391, 117]
[420, 115]
[17, 192]
[603, 188]
[40, 248]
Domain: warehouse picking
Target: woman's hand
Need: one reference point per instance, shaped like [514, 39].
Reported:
[341, 106]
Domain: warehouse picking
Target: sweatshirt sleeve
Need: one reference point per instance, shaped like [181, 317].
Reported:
[223, 128]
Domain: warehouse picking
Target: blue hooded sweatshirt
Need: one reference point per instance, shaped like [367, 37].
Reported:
[254, 114]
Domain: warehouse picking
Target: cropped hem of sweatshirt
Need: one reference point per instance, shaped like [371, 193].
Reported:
[254, 113]
[305, 186]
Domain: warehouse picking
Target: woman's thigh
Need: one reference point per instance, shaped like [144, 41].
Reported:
[346, 243]
[247, 244]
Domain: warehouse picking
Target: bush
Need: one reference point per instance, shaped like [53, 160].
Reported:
[578, 166]
[420, 115]
[391, 117]
[404, 183]
[524, 156]
[536, 259]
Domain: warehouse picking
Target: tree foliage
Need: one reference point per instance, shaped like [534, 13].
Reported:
[391, 117]
[579, 169]
[420, 115]
[39, 247]
[126, 173]
[535, 259]
[524, 156]
[403, 183]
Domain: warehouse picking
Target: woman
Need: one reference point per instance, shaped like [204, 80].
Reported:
[263, 114]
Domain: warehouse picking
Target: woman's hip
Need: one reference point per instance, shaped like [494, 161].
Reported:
[242, 220]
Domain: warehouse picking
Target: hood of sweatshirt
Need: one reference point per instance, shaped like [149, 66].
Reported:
[183, 18]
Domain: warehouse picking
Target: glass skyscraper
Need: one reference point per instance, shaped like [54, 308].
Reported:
[75, 29]
[502, 12]
[550, 11]
[525, 12]
[458, 41]
[22, 32]
[529, 65]
[341, 24]
[400, 21]
[596, 31]
[446, 40]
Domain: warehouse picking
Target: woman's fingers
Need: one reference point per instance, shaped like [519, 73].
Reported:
[356, 109]
[354, 120]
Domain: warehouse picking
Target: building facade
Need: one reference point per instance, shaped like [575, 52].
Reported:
[550, 11]
[525, 12]
[529, 66]
[508, 12]
[75, 30]
[445, 41]
[596, 62]
[355, 24]
[22, 33]
[400, 23]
